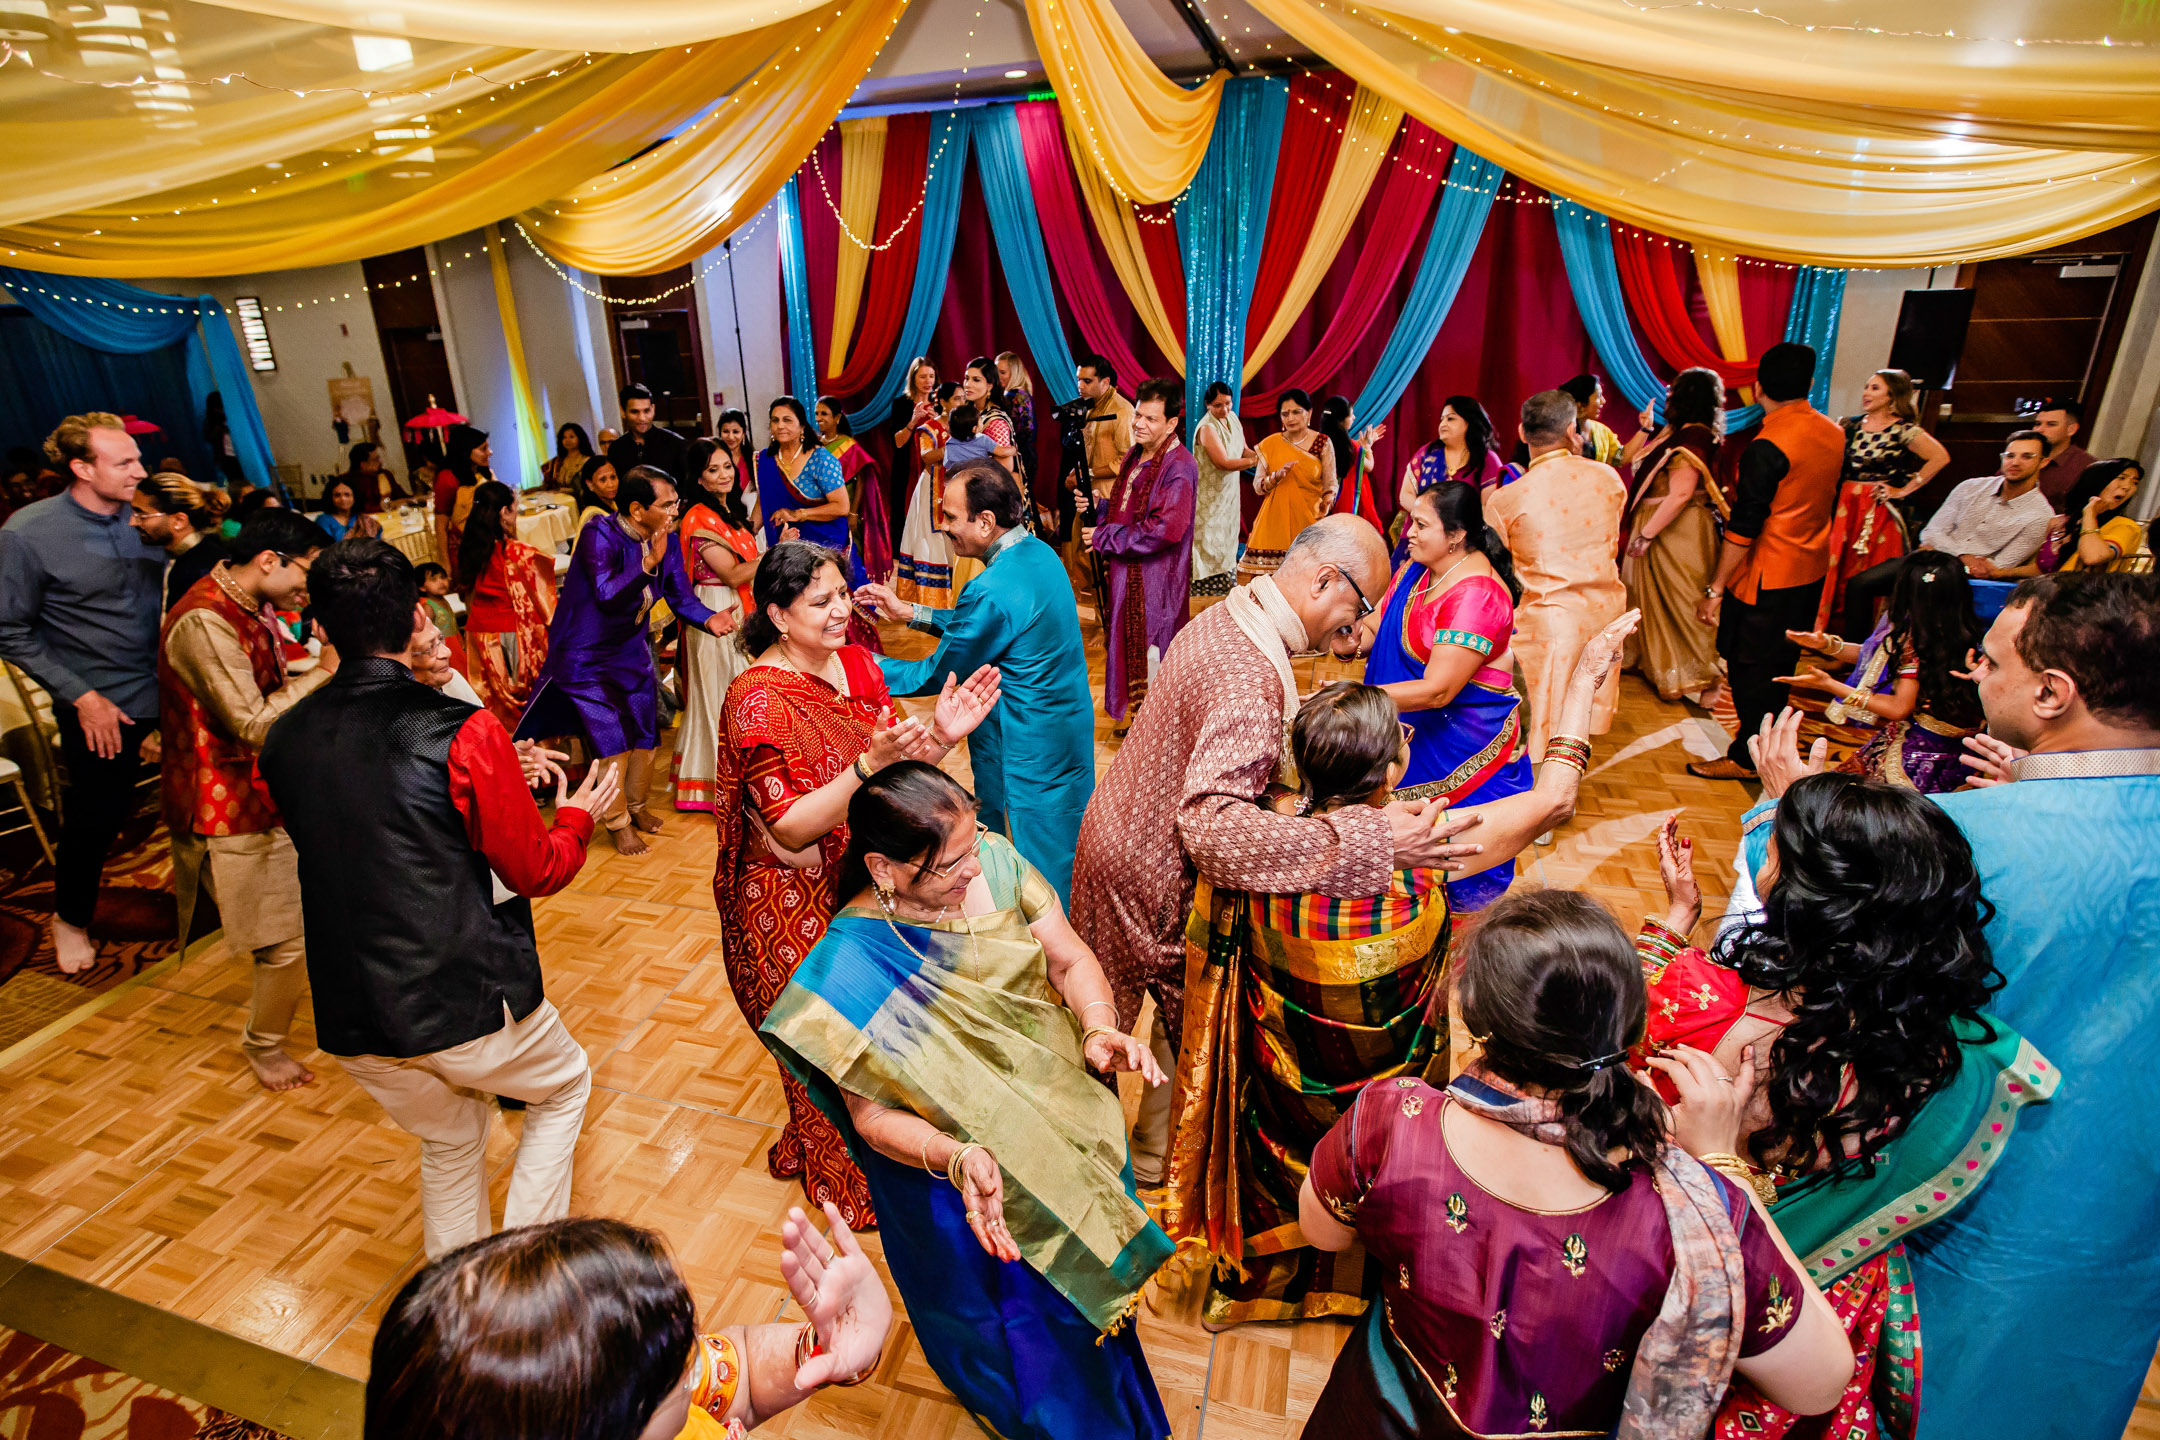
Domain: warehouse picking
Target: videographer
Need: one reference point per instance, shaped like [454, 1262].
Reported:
[1104, 423]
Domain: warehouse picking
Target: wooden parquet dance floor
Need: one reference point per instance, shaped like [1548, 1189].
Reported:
[137, 1155]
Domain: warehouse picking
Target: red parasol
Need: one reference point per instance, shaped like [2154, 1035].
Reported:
[136, 425]
[432, 418]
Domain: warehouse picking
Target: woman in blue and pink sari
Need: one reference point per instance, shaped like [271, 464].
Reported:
[1465, 450]
[1441, 653]
[801, 486]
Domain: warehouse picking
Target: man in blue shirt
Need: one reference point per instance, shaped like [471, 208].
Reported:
[79, 610]
[1035, 774]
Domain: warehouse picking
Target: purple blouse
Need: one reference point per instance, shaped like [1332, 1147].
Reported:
[1524, 1322]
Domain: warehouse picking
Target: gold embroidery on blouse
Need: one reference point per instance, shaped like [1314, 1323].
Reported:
[1779, 1312]
[1704, 997]
[1447, 1383]
[1498, 1323]
[1402, 1274]
[1574, 1254]
[1413, 1104]
[1538, 1418]
[1614, 1359]
[1458, 1213]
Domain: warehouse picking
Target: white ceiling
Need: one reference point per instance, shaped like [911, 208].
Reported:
[932, 48]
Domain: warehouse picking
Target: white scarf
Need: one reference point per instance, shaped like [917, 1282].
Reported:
[1259, 610]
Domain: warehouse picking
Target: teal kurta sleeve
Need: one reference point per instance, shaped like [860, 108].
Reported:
[976, 634]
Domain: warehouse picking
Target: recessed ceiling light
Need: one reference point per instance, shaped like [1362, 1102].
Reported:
[1016, 74]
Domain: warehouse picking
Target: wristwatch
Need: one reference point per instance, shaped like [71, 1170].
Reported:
[1711, 592]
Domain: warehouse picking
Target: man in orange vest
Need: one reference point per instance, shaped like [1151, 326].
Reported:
[1776, 550]
[222, 679]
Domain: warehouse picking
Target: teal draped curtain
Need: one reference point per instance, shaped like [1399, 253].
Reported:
[1222, 224]
[940, 218]
[1818, 302]
[123, 319]
[1464, 204]
[795, 290]
[1009, 196]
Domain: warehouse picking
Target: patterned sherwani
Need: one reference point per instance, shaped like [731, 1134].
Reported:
[1179, 801]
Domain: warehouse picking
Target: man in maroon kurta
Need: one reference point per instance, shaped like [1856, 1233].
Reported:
[1145, 540]
[1180, 799]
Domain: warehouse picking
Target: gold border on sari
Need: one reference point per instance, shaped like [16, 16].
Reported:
[1464, 773]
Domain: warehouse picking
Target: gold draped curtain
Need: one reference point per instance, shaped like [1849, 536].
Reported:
[1900, 133]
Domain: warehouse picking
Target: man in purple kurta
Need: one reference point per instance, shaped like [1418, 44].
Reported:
[1146, 542]
[599, 679]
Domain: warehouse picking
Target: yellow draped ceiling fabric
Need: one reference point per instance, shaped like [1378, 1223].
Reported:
[1366, 136]
[1147, 132]
[1719, 274]
[542, 24]
[862, 175]
[1118, 228]
[1907, 132]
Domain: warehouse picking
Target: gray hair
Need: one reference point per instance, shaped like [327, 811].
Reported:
[1547, 415]
[1347, 542]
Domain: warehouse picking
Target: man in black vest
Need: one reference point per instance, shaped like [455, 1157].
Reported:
[403, 804]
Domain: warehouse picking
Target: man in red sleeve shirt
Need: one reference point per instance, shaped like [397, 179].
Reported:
[405, 805]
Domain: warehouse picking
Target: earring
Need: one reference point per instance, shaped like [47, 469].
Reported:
[884, 895]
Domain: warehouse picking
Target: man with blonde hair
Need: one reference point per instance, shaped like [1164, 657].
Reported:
[79, 609]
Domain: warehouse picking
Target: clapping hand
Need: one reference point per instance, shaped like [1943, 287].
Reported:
[1107, 1051]
[541, 766]
[1602, 654]
[602, 784]
[723, 622]
[1776, 753]
[1822, 642]
[961, 707]
[1809, 678]
[839, 1290]
[1990, 760]
[905, 738]
[1676, 868]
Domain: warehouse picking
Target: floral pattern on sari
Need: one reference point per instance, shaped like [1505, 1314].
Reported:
[504, 675]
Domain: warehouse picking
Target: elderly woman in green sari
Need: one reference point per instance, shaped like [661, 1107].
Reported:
[947, 1024]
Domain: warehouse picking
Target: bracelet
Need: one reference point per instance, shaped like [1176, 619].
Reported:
[953, 1163]
[1109, 1005]
[1092, 1031]
[1834, 644]
[806, 1345]
[925, 1152]
[1571, 750]
[861, 773]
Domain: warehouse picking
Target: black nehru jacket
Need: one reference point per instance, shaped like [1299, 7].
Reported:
[405, 952]
[659, 447]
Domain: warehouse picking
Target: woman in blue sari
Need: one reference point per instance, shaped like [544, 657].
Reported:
[943, 1025]
[1440, 651]
[803, 493]
[1465, 449]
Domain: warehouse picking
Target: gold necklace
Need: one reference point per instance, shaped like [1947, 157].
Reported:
[1428, 582]
[974, 944]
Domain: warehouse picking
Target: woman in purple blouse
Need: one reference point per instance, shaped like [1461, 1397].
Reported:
[1551, 1260]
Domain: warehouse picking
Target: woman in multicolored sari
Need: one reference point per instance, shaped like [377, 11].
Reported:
[1551, 1259]
[869, 529]
[720, 555]
[1439, 649]
[1670, 545]
[1465, 450]
[947, 1024]
[1906, 692]
[1294, 1004]
[511, 599]
[1296, 482]
[801, 729]
[923, 569]
[1882, 1096]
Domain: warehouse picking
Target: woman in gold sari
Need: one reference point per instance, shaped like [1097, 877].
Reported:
[1295, 1003]
[1671, 546]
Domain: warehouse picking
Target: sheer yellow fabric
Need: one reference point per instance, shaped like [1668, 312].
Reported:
[1144, 130]
[862, 172]
[1366, 135]
[1839, 146]
[543, 24]
[1719, 275]
[1118, 228]
[527, 413]
[688, 195]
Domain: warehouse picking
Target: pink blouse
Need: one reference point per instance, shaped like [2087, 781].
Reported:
[1477, 614]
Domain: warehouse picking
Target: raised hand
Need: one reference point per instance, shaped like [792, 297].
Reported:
[1602, 654]
[540, 765]
[839, 1291]
[1822, 642]
[1809, 678]
[893, 740]
[1676, 868]
[1990, 760]
[879, 597]
[1776, 753]
[961, 707]
[602, 784]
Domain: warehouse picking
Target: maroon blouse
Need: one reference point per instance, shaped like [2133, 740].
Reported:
[1524, 1323]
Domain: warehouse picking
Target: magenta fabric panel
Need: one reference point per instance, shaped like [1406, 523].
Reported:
[1082, 277]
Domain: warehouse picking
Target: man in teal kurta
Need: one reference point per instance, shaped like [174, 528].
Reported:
[1034, 757]
[2039, 1298]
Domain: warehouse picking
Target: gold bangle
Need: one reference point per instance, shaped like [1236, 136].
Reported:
[953, 1163]
[1111, 1005]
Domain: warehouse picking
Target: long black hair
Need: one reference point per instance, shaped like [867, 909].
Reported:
[2096, 478]
[586, 499]
[485, 529]
[1697, 397]
[992, 402]
[1931, 608]
[571, 1330]
[903, 812]
[1873, 931]
[782, 577]
[1457, 505]
[1478, 437]
[584, 441]
[462, 441]
[697, 455]
[1553, 988]
[1335, 424]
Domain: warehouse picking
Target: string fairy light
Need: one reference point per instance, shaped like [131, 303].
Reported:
[2104, 42]
[11, 52]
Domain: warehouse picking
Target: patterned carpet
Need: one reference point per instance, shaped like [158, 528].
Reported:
[47, 1393]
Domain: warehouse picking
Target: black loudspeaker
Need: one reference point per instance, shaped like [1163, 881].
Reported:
[1931, 336]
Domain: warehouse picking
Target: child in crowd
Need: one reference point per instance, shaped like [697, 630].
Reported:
[964, 445]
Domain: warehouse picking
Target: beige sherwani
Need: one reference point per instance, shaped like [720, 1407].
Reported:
[1561, 521]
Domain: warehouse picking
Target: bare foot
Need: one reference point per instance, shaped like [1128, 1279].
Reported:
[646, 821]
[73, 946]
[279, 1071]
[628, 841]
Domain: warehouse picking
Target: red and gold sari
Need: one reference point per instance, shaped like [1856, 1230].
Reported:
[783, 735]
[506, 629]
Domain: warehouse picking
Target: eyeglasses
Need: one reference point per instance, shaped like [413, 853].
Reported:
[944, 872]
[1364, 606]
[1409, 736]
[305, 562]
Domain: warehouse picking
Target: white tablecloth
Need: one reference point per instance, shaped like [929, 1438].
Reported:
[545, 520]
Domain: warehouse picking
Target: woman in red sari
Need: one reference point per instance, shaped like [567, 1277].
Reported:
[720, 555]
[511, 598]
[800, 730]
